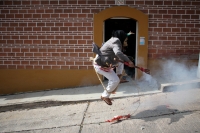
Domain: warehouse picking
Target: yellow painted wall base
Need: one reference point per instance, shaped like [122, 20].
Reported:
[15, 81]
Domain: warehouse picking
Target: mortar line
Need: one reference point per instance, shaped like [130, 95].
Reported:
[81, 125]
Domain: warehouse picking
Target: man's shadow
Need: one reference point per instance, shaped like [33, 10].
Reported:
[160, 112]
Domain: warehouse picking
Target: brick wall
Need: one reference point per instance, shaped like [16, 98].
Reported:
[53, 34]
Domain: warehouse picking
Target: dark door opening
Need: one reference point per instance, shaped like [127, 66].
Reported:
[126, 25]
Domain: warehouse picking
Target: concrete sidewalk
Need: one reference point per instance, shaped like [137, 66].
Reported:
[131, 88]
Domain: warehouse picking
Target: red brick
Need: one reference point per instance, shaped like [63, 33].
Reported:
[54, 28]
[73, 15]
[48, 11]
[72, 2]
[139, 2]
[54, 41]
[45, 41]
[55, 67]
[81, 41]
[95, 10]
[28, 55]
[64, 15]
[180, 38]
[33, 62]
[11, 41]
[25, 2]
[101, 2]
[68, 37]
[171, 38]
[87, 50]
[82, 67]
[36, 41]
[46, 16]
[40, 11]
[158, 29]
[194, 16]
[73, 54]
[50, 37]
[28, 42]
[59, 37]
[175, 29]
[12, 66]
[185, 16]
[64, 29]
[152, 50]
[81, 28]
[162, 25]
[46, 67]
[31, 11]
[44, 2]
[85, 10]
[45, 28]
[7, 49]
[64, 67]
[189, 25]
[64, 54]
[60, 50]
[72, 41]
[67, 10]
[162, 11]
[8, 62]
[76, 10]
[49, 24]
[162, 38]
[190, 38]
[91, 2]
[63, 2]
[53, 2]
[64, 41]
[167, 16]
[70, 63]
[42, 62]
[55, 15]
[18, 15]
[158, 2]
[60, 62]
[37, 16]
[19, 41]
[29, 67]
[21, 67]
[4, 16]
[73, 67]
[180, 11]
[176, 43]
[171, 11]
[8, 2]
[185, 30]
[8, 15]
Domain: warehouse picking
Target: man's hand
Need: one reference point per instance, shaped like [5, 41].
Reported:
[131, 64]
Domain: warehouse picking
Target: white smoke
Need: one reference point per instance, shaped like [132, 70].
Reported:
[170, 72]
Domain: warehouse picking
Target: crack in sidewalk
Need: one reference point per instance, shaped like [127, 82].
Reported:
[81, 126]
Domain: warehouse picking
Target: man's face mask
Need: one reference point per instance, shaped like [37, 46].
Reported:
[125, 42]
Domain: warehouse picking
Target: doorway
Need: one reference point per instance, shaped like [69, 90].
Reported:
[141, 20]
[127, 25]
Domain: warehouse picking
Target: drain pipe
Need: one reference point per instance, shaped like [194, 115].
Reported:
[198, 69]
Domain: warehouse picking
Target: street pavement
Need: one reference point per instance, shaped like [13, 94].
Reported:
[80, 110]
